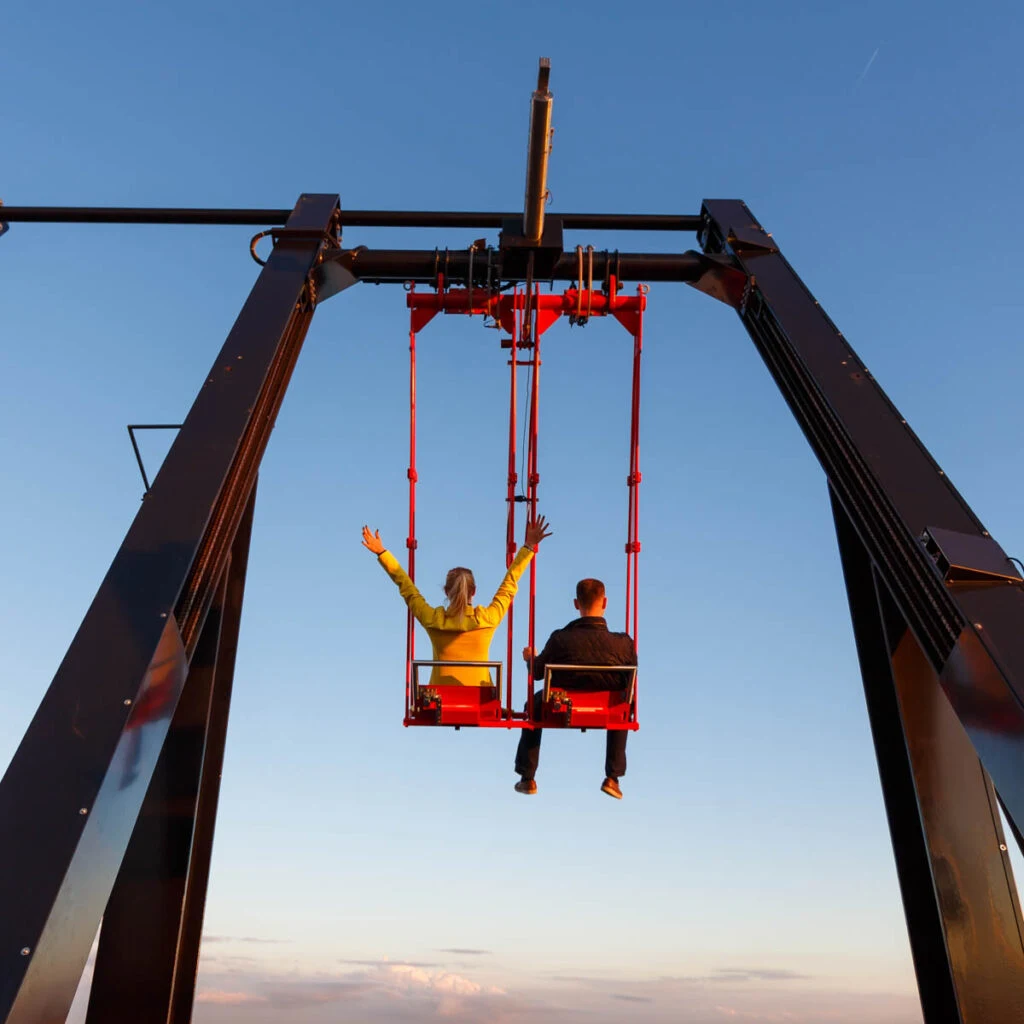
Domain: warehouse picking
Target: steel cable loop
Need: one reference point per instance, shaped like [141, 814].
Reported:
[579, 286]
[590, 278]
[254, 241]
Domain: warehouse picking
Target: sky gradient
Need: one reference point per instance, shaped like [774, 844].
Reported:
[363, 872]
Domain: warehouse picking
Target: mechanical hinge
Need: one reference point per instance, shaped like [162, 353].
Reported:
[968, 558]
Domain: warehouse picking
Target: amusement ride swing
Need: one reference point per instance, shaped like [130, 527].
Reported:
[524, 315]
[936, 605]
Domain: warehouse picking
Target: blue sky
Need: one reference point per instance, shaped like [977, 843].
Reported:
[366, 872]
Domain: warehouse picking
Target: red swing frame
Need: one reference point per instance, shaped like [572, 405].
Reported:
[526, 317]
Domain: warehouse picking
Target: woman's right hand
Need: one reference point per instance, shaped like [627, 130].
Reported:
[536, 531]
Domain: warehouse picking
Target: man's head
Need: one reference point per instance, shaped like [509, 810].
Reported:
[590, 597]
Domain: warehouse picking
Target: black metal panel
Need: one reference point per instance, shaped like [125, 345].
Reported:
[71, 795]
[142, 920]
[183, 984]
[960, 900]
[149, 941]
[891, 489]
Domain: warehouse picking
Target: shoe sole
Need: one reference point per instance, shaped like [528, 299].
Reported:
[612, 793]
[525, 792]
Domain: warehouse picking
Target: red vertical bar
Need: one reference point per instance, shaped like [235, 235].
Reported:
[635, 473]
[635, 478]
[410, 541]
[510, 532]
[532, 481]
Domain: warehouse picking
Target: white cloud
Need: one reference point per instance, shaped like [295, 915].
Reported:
[228, 998]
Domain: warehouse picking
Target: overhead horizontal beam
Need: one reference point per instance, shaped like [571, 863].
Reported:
[349, 218]
[383, 266]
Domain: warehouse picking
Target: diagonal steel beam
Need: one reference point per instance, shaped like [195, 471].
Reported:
[952, 612]
[67, 802]
[149, 941]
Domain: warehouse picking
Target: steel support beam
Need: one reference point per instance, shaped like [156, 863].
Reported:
[350, 218]
[959, 897]
[71, 796]
[394, 266]
[149, 941]
[947, 615]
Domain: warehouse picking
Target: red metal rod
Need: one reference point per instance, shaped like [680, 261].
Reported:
[533, 479]
[410, 641]
[637, 476]
[510, 532]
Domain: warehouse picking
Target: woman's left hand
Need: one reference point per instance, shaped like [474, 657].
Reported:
[372, 541]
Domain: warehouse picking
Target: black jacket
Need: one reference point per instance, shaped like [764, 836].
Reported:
[586, 641]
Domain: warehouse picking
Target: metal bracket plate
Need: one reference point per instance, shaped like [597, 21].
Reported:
[968, 558]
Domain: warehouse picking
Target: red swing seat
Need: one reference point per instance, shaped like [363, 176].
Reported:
[565, 707]
[451, 704]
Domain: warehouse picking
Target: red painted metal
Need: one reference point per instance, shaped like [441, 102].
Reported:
[502, 308]
[590, 709]
[533, 476]
[410, 540]
[459, 705]
[483, 706]
[510, 529]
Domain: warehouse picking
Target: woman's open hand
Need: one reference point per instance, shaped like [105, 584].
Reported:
[536, 531]
[372, 541]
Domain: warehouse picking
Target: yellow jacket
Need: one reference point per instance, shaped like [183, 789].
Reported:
[467, 637]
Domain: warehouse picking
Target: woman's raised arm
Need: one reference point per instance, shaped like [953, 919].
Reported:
[421, 610]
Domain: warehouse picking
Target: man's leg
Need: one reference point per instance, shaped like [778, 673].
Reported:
[528, 751]
[615, 753]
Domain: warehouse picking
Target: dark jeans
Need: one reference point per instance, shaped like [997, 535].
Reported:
[528, 751]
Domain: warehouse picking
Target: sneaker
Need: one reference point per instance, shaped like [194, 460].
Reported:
[527, 786]
[611, 787]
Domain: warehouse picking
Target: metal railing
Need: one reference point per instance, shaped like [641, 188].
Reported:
[631, 669]
[417, 665]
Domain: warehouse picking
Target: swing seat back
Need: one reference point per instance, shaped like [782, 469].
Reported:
[454, 705]
[564, 708]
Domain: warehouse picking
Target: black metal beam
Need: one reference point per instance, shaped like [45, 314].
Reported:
[349, 218]
[392, 266]
[71, 796]
[922, 541]
[149, 942]
[954, 872]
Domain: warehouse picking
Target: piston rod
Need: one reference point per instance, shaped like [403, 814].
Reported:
[537, 155]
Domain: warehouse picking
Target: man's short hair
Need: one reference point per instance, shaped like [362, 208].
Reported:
[589, 592]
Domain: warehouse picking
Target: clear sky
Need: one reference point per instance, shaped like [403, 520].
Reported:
[364, 872]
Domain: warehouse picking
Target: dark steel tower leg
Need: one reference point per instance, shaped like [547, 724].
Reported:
[149, 940]
[959, 897]
[71, 797]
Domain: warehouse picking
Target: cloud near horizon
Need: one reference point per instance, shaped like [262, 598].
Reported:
[384, 992]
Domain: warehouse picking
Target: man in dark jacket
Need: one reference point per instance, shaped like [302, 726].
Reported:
[584, 641]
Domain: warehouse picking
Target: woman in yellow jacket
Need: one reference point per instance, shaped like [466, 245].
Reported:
[460, 631]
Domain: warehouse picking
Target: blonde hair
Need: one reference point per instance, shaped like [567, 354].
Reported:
[459, 588]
